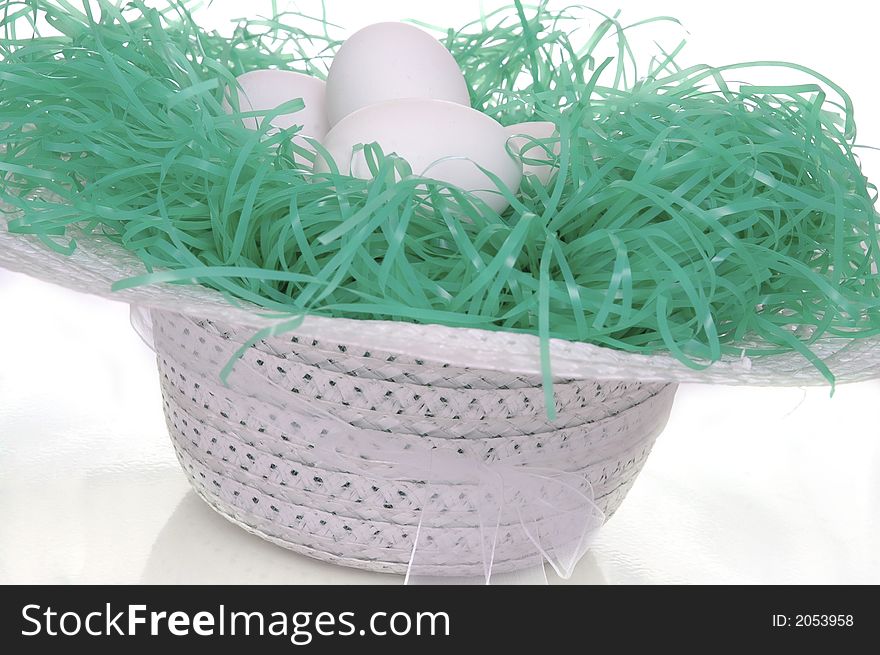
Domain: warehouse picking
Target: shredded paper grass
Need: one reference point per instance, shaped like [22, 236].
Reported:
[690, 213]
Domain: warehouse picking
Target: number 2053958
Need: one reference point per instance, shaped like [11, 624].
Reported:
[813, 621]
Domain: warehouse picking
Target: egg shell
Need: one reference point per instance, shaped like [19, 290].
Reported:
[389, 61]
[521, 144]
[425, 133]
[264, 90]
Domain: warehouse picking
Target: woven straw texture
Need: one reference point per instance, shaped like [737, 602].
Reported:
[255, 450]
[98, 263]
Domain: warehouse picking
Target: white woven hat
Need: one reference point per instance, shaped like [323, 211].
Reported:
[399, 447]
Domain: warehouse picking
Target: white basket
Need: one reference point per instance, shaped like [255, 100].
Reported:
[249, 448]
[479, 399]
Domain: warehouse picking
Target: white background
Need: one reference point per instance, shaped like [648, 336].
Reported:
[746, 485]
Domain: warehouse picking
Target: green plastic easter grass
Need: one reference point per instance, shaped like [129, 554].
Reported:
[688, 214]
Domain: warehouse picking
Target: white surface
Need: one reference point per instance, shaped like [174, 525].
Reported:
[746, 485]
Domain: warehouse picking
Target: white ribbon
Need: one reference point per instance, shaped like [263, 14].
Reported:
[554, 509]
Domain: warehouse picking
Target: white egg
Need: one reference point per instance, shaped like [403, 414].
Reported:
[440, 140]
[522, 143]
[389, 61]
[265, 90]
